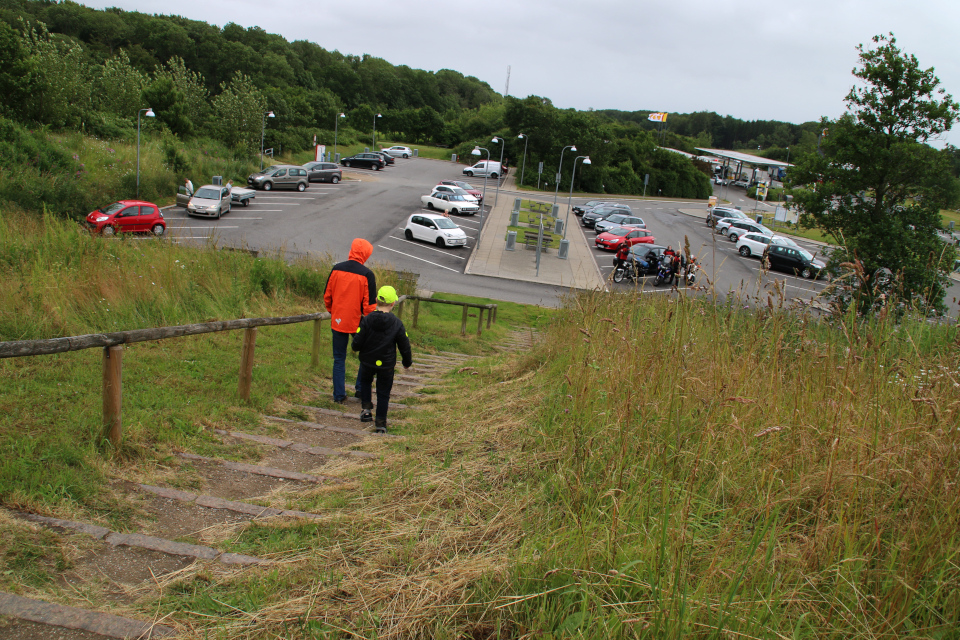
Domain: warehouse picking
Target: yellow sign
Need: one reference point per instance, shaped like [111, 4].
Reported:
[712, 202]
[657, 117]
[761, 191]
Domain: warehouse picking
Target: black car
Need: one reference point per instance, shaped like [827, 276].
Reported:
[368, 160]
[387, 158]
[601, 213]
[793, 260]
[323, 172]
[579, 210]
[646, 257]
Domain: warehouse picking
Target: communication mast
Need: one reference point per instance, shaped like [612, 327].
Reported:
[506, 91]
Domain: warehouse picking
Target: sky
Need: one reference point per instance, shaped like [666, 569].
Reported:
[788, 60]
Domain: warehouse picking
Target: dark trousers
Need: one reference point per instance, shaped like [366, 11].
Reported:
[340, 342]
[384, 387]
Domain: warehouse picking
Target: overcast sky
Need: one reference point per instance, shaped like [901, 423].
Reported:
[788, 60]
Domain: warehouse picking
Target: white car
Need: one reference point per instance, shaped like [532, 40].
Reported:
[399, 152]
[754, 244]
[434, 228]
[450, 203]
[445, 188]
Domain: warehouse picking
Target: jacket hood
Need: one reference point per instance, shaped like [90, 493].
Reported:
[380, 321]
[360, 250]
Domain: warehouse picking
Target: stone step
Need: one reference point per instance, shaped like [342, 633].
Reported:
[212, 502]
[317, 425]
[293, 446]
[141, 541]
[283, 474]
[58, 615]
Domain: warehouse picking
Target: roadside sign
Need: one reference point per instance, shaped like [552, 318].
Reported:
[321, 152]
[646, 179]
[712, 202]
[761, 191]
[540, 169]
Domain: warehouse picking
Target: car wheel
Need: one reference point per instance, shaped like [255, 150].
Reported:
[108, 231]
[301, 186]
[807, 273]
[406, 155]
[408, 234]
[267, 186]
[494, 176]
[723, 231]
[219, 213]
[441, 243]
[733, 237]
[468, 173]
[376, 167]
[335, 179]
[430, 206]
[246, 202]
[346, 164]
[454, 212]
[745, 251]
[158, 230]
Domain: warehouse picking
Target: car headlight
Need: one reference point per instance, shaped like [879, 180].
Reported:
[101, 218]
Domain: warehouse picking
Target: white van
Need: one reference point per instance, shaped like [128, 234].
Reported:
[484, 168]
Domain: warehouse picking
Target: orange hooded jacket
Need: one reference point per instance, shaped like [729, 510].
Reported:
[351, 290]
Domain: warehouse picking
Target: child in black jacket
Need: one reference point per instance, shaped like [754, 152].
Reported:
[380, 335]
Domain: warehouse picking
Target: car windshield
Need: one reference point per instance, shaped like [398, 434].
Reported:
[465, 185]
[445, 223]
[619, 231]
[806, 254]
[209, 194]
[271, 171]
[112, 209]
[454, 196]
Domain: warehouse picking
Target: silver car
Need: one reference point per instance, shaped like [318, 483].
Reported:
[399, 152]
[210, 201]
[279, 176]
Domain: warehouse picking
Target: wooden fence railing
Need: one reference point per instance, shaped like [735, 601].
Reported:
[112, 345]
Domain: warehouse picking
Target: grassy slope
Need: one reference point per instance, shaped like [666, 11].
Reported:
[656, 468]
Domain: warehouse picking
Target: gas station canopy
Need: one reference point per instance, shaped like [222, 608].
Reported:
[744, 158]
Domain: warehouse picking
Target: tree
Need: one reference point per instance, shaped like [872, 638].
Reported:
[878, 187]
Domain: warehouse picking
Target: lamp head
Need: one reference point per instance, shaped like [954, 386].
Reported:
[379, 115]
[573, 147]
[475, 152]
[496, 139]
[521, 136]
[270, 114]
[150, 113]
[587, 160]
[343, 115]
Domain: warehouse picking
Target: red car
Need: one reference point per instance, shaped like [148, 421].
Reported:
[611, 240]
[465, 186]
[127, 216]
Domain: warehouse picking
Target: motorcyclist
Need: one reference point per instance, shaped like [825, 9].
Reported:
[673, 259]
[623, 251]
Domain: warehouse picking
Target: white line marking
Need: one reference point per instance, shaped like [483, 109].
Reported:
[267, 210]
[416, 258]
[201, 228]
[446, 253]
[193, 237]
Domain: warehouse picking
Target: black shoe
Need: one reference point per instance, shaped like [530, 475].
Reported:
[366, 416]
[340, 400]
[381, 425]
[356, 394]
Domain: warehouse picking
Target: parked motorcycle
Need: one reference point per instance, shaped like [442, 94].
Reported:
[665, 273]
[690, 272]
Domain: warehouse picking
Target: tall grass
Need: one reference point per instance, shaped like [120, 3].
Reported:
[716, 472]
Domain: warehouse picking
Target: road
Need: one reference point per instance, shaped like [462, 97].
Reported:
[375, 205]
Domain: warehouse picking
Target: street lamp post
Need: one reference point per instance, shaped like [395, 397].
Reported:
[523, 168]
[148, 112]
[503, 144]
[586, 160]
[556, 188]
[336, 130]
[476, 151]
[263, 130]
[374, 147]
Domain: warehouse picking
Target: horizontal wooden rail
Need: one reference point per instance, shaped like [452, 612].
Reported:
[491, 310]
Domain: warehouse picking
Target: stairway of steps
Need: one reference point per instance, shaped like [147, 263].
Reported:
[196, 506]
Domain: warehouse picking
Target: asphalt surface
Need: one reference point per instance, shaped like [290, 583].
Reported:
[323, 220]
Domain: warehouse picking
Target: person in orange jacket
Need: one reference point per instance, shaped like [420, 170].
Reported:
[350, 294]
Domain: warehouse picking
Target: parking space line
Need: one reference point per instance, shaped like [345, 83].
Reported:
[416, 258]
[192, 228]
[266, 211]
[446, 253]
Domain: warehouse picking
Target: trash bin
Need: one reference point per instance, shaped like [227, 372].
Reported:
[564, 248]
[516, 204]
[336, 157]
[217, 180]
[416, 153]
[511, 240]
[759, 218]
[453, 157]
[514, 218]
[559, 226]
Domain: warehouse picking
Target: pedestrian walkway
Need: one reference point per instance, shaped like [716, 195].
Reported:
[490, 257]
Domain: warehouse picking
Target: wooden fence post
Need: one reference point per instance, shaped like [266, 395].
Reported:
[399, 312]
[490, 309]
[246, 362]
[479, 321]
[463, 323]
[113, 393]
[495, 307]
[315, 350]
[416, 311]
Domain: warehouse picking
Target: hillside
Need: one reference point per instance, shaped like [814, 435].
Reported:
[651, 467]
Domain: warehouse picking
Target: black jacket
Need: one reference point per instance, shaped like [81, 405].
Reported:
[378, 338]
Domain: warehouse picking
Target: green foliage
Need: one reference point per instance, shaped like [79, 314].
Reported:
[240, 112]
[878, 187]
